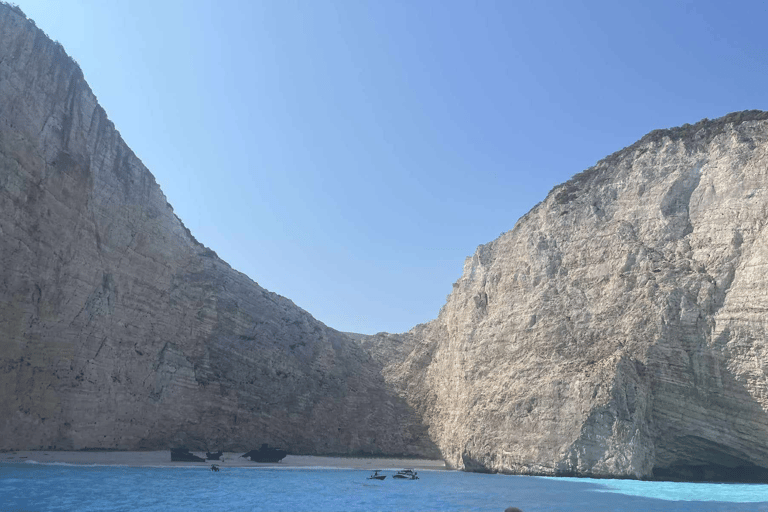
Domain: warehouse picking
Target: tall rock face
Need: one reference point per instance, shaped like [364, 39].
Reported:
[621, 327]
[119, 330]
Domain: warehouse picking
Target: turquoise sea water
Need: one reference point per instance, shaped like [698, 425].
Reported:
[49, 487]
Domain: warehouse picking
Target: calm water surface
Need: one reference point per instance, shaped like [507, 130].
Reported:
[48, 487]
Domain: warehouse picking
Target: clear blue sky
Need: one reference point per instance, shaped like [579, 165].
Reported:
[349, 155]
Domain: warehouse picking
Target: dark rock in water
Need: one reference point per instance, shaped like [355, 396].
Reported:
[266, 454]
[183, 455]
[213, 456]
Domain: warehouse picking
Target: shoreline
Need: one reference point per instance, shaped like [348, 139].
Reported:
[229, 460]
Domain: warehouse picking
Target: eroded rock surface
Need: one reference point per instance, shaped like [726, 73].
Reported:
[119, 330]
[619, 329]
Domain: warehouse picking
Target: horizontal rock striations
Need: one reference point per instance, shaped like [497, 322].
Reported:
[620, 329]
[119, 330]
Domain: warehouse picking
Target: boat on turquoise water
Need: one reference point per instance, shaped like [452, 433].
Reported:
[406, 474]
[377, 476]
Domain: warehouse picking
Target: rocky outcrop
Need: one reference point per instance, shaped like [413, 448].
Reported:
[119, 330]
[619, 329]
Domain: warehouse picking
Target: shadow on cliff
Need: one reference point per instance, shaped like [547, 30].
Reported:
[698, 418]
[707, 425]
[265, 371]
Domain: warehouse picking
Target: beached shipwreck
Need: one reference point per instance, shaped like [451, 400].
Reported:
[617, 330]
[265, 453]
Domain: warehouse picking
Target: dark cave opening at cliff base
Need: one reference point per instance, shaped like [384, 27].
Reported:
[709, 461]
[712, 473]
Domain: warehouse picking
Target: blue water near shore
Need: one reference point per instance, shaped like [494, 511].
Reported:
[61, 487]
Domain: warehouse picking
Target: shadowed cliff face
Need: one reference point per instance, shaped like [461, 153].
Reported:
[619, 328]
[119, 330]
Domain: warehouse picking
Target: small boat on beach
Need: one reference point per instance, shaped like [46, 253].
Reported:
[377, 476]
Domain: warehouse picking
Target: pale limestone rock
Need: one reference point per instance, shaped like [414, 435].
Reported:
[619, 329]
[119, 330]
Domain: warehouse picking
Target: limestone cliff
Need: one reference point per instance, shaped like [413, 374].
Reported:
[119, 330]
[618, 330]
[621, 327]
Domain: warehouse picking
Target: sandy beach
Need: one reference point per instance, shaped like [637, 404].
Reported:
[228, 459]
